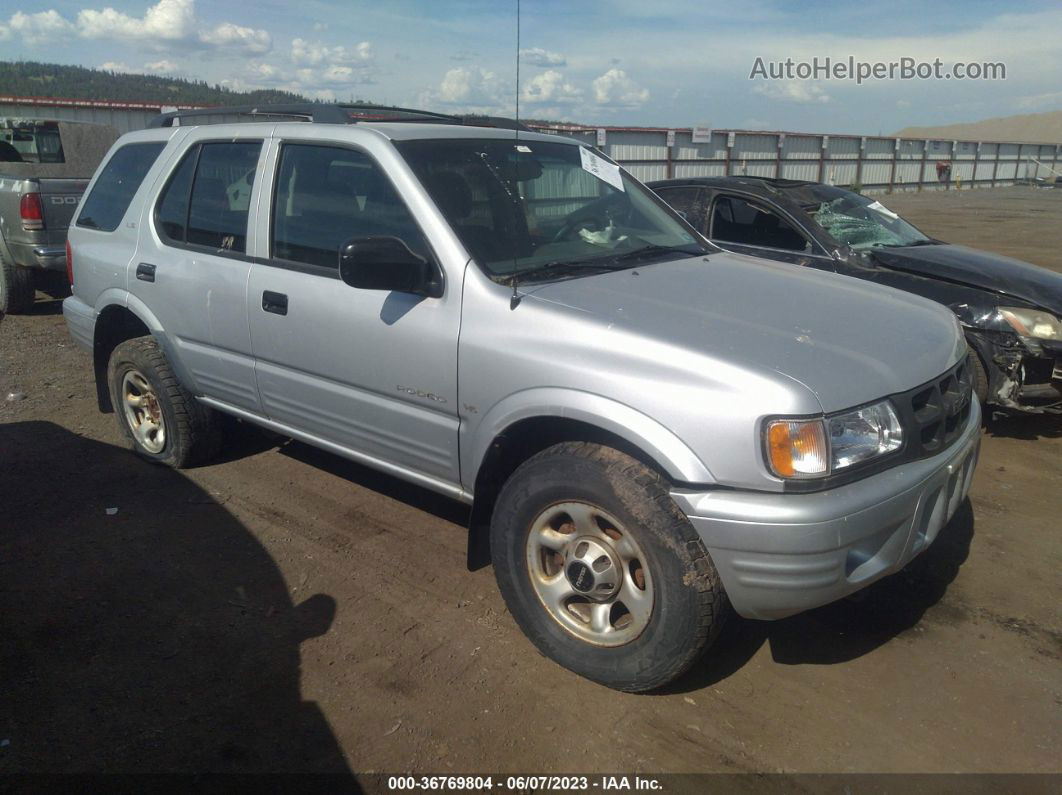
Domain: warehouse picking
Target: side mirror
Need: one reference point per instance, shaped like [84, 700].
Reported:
[386, 263]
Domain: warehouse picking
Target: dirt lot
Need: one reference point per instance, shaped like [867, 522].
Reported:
[287, 610]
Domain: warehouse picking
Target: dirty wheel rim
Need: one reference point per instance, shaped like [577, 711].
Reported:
[589, 573]
[143, 412]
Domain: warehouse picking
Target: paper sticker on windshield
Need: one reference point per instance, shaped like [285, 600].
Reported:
[522, 148]
[881, 208]
[601, 168]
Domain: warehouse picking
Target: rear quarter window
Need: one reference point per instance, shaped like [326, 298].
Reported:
[105, 206]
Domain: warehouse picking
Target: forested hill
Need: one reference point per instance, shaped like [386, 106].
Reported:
[32, 79]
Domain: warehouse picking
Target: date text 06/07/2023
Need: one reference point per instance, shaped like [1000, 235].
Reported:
[526, 784]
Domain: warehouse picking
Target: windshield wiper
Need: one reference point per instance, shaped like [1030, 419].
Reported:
[563, 268]
[614, 262]
[645, 252]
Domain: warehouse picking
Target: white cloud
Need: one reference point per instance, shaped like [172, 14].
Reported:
[550, 87]
[536, 56]
[312, 53]
[473, 86]
[262, 71]
[471, 90]
[168, 23]
[39, 28]
[230, 36]
[165, 66]
[616, 89]
[115, 66]
[799, 91]
[168, 20]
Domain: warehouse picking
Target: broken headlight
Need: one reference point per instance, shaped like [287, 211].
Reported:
[1034, 323]
[820, 447]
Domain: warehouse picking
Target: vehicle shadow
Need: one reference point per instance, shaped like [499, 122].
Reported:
[45, 306]
[848, 629]
[1025, 426]
[144, 628]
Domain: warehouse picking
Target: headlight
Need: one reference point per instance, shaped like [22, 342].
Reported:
[820, 447]
[1032, 322]
[863, 434]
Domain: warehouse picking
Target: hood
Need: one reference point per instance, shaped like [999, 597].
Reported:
[1030, 283]
[848, 341]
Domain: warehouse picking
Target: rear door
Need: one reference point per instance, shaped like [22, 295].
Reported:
[371, 371]
[193, 261]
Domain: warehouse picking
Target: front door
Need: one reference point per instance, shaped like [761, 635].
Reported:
[371, 371]
[748, 227]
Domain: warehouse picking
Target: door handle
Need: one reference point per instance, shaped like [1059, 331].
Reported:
[145, 271]
[277, 303]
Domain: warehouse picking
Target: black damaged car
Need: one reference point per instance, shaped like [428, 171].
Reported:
[1009, 309]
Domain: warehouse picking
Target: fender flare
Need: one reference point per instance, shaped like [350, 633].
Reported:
[647, 434]
[115, 296]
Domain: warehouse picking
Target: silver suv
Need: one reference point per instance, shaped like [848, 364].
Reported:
[649, 429]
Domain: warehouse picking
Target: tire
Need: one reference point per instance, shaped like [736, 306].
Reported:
[166, 425]
[16, 288]
[980, 377]
[611, 506]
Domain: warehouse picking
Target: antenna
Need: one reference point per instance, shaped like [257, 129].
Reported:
[515, 300]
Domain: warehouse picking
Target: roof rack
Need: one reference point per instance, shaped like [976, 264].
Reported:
[325, 113]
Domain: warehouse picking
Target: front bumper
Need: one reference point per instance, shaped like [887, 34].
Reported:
[780, 554]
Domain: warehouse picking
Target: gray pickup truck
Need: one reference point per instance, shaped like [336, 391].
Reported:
[649, 429]
[44, 168]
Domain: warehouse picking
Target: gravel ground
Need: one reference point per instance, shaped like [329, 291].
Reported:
[284, 609]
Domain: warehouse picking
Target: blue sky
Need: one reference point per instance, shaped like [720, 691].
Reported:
[639, 62]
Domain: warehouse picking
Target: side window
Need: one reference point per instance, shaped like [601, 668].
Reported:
[106, 204]
[735, 220]
[171, 213]
[688, 201]
[326, 195]
[208, 197]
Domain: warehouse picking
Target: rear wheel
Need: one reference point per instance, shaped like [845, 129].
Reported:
[601, 570]
[16, 288]
[162, 420]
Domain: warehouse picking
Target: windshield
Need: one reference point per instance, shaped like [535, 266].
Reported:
[859, 222]
[521, 207]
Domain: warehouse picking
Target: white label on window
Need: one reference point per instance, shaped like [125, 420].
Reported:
[881, 208]
[522, 148]
[601, 168]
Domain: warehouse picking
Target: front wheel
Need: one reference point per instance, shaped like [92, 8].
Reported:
[601, 570]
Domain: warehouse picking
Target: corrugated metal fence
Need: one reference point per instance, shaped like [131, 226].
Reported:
[874, 162]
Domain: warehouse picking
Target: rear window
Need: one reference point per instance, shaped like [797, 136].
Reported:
[106, 204]
[207, 200]
[30, 142]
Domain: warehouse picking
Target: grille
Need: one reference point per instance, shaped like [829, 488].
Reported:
[935, 414]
